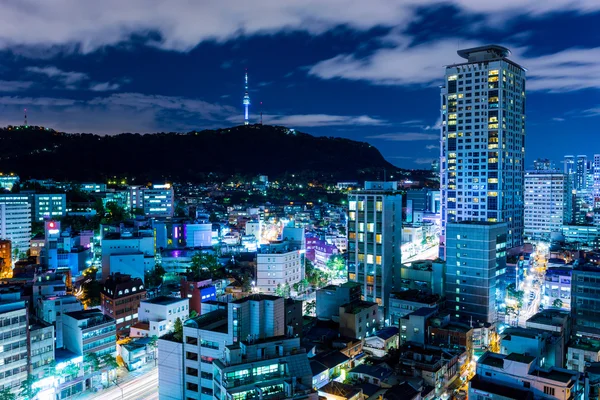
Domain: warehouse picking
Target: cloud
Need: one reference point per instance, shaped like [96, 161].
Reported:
[401, 63]
[68, 78]
[432, 147]
[405, 136]
[591, 112]
[65, 25]
[266, 83]
[558, 119]
[226, 64]
[123, 112]
[104, 87]
[422, 161]
[14, 86]
[316, 120]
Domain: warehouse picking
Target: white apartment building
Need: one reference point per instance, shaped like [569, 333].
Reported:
[277, 266]
[13, 341]
[519, 371]
[157, 316]
[546, 203]
[374, 236]
[483, 140]
[89, 331]
[15, 222]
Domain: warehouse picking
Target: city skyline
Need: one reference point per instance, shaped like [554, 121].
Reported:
[140, 73]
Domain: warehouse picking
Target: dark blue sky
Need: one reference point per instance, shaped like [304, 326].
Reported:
[363, 70]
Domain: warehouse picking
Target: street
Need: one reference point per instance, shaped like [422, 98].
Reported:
[141, 384]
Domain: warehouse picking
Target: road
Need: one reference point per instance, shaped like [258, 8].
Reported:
[133, 387]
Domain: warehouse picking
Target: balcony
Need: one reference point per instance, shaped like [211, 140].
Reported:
[234, 383]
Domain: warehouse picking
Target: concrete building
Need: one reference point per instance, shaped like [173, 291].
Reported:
[51, 309]
[584, 234]
[557, 288]
[519, 371]
[476, 256]
[198, 235]
[413, 326]
[127, 253]
[482, 156]
[374, 235]
[279, 265]
[120, 298]
[41, 349]
[157, 316]
[89, 331]
[90, 187]
[156, 201]
[581, 172]
[331, 297]
[49, 206]
[407, 301]
[13, 342]
[275, 366]
[205, 340]
[5, 258]
[581, 351]
[15, 221]
[424, 275]
[585, 300]
[359, 319]
[547, 198]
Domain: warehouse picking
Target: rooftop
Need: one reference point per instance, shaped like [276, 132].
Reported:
[499, 390]
[521, 358]
[340, 389]
[550, 317]
[494, 49]
[163, 300]
[215, 321]
[558, 375]
[356, 307]
[422, 312]
[256, 297]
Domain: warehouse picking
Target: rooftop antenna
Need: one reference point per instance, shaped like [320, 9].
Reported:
[246, 98]
[25, 114]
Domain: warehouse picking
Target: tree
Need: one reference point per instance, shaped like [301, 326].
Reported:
[283, 290]
[154, 277]
[558, 303]
[205, 266]
[27, 390]
[109, 361]
[70, 370]
[310, 307]
[193, 314]
[336, 266]
[153, 345]
[6, 394]
[178, 330]
[93, 361]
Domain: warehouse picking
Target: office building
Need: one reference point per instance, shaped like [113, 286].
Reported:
[596, 180]
[374, 236]
[581, 172]
[585, 300]
[546, 203]
[90, 187]
[49, 206]
[359, 319]
[120, 298]
[41, 349]
[89, 331]
[15, 221]
[13, 341]
[542, 164]
[476, 256]
[155, 201]
[483, 141]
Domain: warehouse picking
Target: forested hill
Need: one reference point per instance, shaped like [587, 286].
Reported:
[276, 151]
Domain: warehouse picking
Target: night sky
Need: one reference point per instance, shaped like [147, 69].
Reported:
[365, 70]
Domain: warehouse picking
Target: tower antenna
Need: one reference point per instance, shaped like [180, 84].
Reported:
[25, 114]
[246, 98]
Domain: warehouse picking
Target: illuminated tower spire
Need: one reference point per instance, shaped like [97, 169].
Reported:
[25, 113]
[246, 99]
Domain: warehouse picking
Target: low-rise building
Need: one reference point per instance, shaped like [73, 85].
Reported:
[41, 349]
[279, 265]
[359, 319]
[581, 351]
[557, 288]
[89, 331]
[331, 297]
[120, 298]
[424, 275]
[157, 316]
[382, 341]
[519, 371]
[413, 327]
[407, 301]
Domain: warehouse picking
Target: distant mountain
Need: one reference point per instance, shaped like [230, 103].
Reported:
[275, 151]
